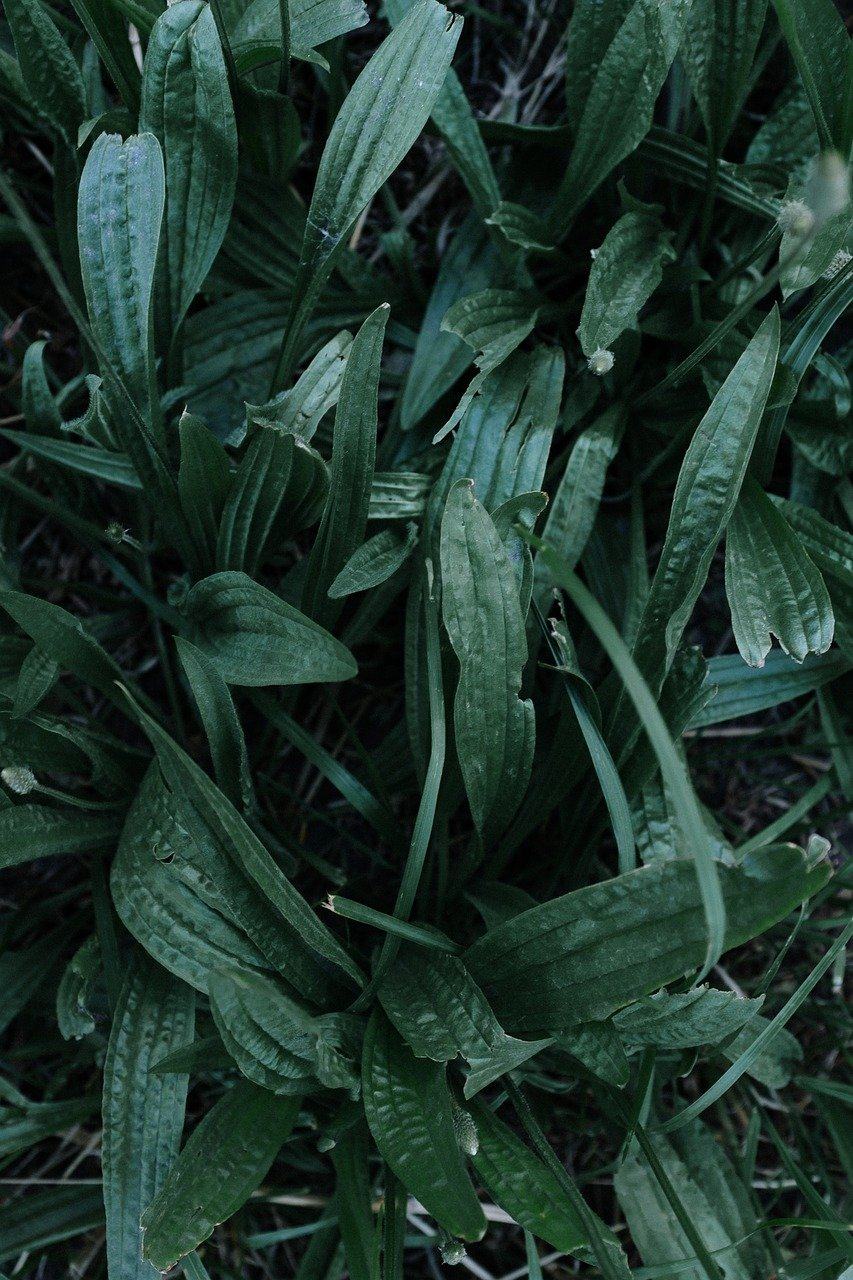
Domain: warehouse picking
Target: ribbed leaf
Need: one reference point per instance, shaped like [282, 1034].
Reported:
[409, 1111]
[625, 272]
[353, 457]
[685, 1020]
[143, 1113]
[773, 587]
[186, 104]
[221, 723]
[382, 116]
[48, 68]
[223, 1162]
[720, 41]
[495, 729]
[581, 957]
[29, 831]
[374, 562]
[253, 637]
[441, 1013]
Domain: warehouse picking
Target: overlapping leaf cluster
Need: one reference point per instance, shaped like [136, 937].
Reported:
[413, 484]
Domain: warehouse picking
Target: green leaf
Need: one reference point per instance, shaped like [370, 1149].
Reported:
[740, 690]
[36, 678]
[111, 38]
[214, 823]
[829, 547]
[409, 1111]
[257, 490]
[221, 724]
[521, 226]
[709, 1189]
[718, 51]
[29, 831]
[73, 1016]
[257, 34]
[820, 46]
[598, 1045]
[379, 121]
[468, 263]
[277, 1043]
[705, 495]
[441, 1013]
[522, 1185]
[775, 1064]
[186, 104]
[61, 636]
[143, 1113]
[618, 111]
[495, 729]
[684, 1020]
[223, 1162]
[37, 403]
[375, 561]
[182, 907]
[253, 637]
[119, 215]
[353, 1199]
[353, 458]
[48, 68]
[493, 323]
[581, 957]
[87, 459]
[589, 35]
[301, 409]
[772, 585]
[571, 514]
[625, 272]
[204, 479]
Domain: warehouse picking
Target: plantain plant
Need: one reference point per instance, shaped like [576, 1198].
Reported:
[426, 623]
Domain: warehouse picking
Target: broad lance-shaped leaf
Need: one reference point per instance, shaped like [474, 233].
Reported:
[589, 35]
[820, 47]
[29, 831]
[187, 910]
[495, 729]
[374, 562]
[718, 51]
[410, 1113]
[48, 67]
[829, 547]
[223, 1162]
[598, 1046]
[772, 585]
[214, 824]
[618, 112]
[441, 1013]
[705, 495]
[684, 1020]
[625, 272]
[353, 457]
[581, 957]
[493, 323]
[204, 481]
[256, 492]
[571, 514]
[186, 104]
[710, 1190]
[379, 121]
[468, 264]
[276, 1042]
[256, 37]
[221, 723]
[79, 976]
[523, 1186]
[119, 214]
[255, 638]
[143, 1113]
[735, 689]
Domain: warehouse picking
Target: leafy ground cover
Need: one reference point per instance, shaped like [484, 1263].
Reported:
[426, 618]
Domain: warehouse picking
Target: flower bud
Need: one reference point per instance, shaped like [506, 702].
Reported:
[600, 362]
[19, 778]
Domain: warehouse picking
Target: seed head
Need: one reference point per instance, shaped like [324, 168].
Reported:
[19, 778]
[601, 362]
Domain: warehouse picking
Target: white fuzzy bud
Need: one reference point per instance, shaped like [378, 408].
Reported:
[19, 778]
[601, 362]
[838, 263]
[466, 1131]
[795, 218]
